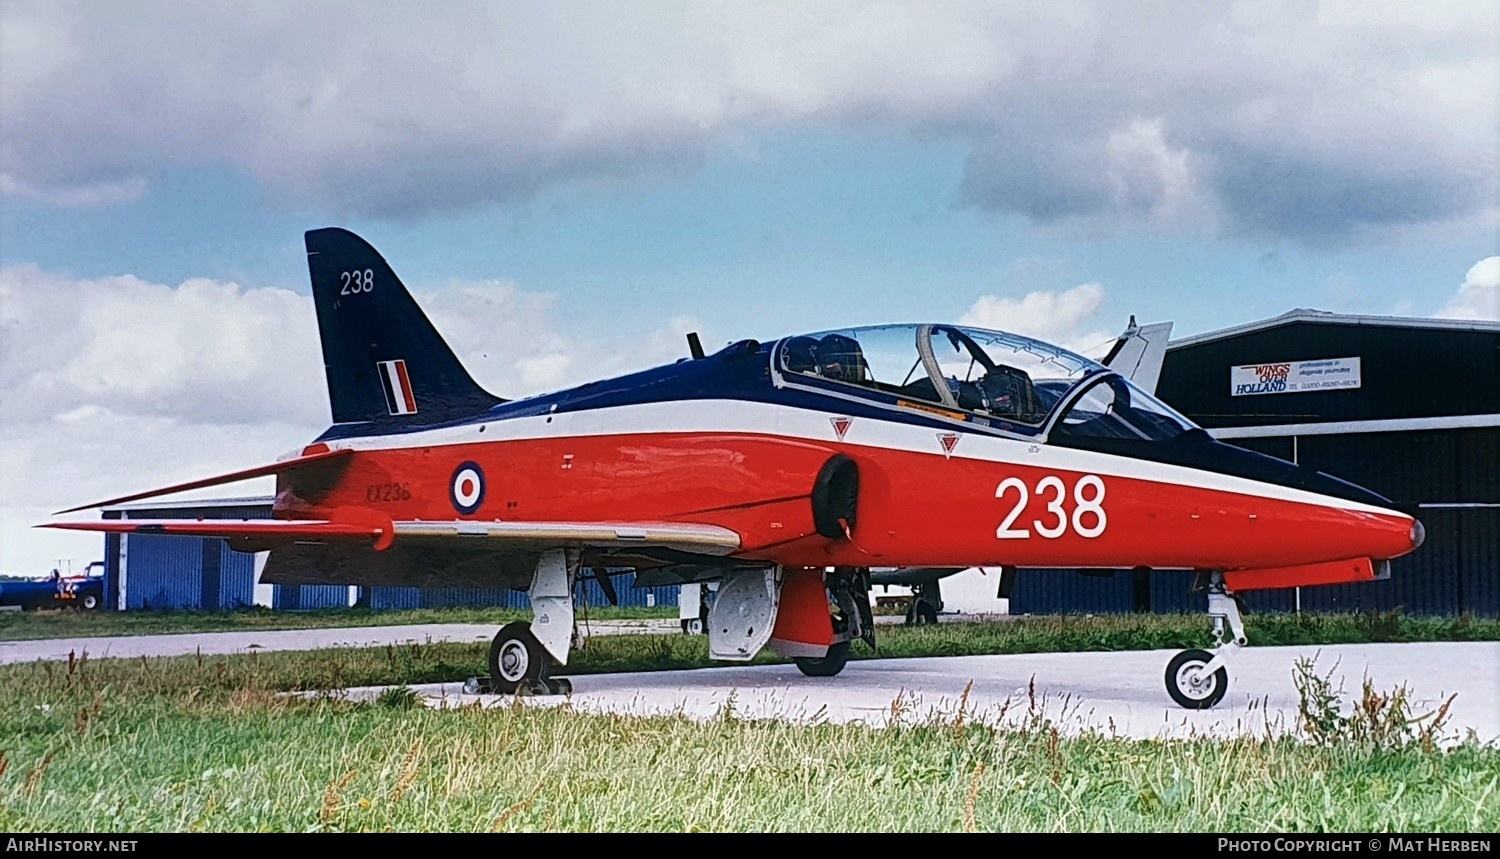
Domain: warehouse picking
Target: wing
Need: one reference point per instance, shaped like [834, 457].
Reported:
[681, 536]
[260, 534]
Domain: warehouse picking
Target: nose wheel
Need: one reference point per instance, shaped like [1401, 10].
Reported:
[1197, 679]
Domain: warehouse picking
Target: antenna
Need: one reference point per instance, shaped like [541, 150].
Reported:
[695, 346]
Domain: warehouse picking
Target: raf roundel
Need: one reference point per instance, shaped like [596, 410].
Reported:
[467, 488]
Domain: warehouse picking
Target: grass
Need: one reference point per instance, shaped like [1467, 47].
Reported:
[455, 661]
[70, 623]
[207, 744]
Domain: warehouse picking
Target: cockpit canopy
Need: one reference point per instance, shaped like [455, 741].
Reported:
[1002, 379]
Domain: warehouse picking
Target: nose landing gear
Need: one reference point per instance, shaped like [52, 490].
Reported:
[1197, 679]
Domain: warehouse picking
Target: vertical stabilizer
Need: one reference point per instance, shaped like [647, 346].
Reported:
[385, 362]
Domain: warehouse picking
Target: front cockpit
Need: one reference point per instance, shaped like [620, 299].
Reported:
[1024, 387]
[988, 378]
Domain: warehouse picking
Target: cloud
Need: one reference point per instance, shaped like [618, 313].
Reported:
[1060, 318]
[114, 385]
[1305, 121]
[1479, 296]
[201, 351]
[83, 196]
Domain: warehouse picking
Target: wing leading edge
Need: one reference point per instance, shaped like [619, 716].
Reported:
[267, 534]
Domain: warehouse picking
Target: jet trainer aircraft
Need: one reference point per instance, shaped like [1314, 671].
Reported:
[784, 470]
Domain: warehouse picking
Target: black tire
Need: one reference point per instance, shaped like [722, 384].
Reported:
[827, 665]
[89, 602]
[920, 613]
[517, 661]
[1180, 672]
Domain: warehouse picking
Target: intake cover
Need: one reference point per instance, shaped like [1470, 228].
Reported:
[835, 496]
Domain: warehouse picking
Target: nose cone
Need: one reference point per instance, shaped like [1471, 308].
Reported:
[1230, 459]
[1388, 534]
[1312, 480]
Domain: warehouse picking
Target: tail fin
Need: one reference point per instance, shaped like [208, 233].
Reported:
[385, 361]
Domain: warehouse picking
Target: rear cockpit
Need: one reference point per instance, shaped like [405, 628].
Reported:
[985, 378]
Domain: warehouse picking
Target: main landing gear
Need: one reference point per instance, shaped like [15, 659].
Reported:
[522, 654]
[811, 615]
[849, 604]
[1197, 679]
[926, 600]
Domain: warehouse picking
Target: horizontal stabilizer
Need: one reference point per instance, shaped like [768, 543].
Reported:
[282, 467]
[243, 534]
[291, 529]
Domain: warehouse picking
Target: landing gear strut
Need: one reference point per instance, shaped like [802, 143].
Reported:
[1197, 679]
[926, 600]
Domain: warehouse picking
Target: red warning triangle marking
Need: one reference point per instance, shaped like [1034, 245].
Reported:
[841, 426]
[949, 441]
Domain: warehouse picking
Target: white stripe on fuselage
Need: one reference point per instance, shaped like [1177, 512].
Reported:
[770, 419]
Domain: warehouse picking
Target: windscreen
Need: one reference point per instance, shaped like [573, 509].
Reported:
[1112, 407]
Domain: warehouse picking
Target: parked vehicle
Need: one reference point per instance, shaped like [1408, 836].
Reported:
[83, 591]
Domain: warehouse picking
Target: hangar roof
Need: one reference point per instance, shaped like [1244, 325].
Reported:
[1308, 315]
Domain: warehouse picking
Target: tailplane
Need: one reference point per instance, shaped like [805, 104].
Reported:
[385, 362]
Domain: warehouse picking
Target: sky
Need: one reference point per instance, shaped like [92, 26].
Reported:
[568, 189]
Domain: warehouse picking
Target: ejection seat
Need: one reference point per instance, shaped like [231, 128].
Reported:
[800, 355]
[1009, 393]
[840, 358]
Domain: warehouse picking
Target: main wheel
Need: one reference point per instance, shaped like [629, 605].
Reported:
[1189, 686]
[827, 665]
[517, 660]
[920, 613]
[89, 602]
